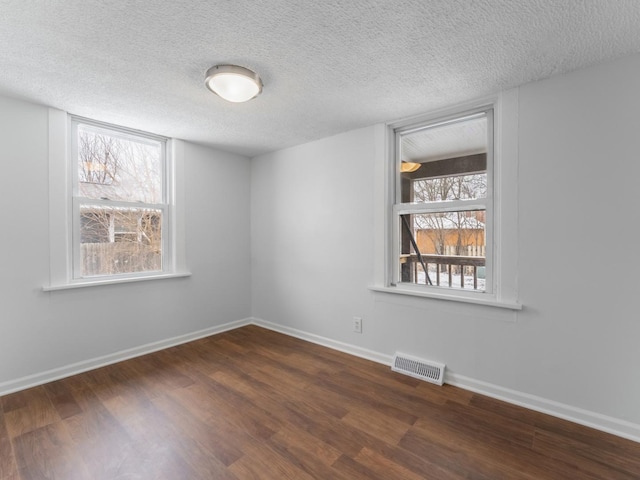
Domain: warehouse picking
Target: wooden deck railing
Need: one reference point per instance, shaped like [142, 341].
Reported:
[467, 266]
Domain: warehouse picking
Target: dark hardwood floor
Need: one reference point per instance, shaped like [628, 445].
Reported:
[252, 403]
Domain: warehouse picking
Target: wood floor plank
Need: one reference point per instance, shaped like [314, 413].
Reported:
[48, 452]
[301, 459]
[158, 374]
[210, 445]
[104, 444]
[586, 442]
[165, 448]
[491, 454]
[28, 410]
[485, 426]
[255, 420]
[404, 407]
[221, 415]
[355, 470]
[441, 447]
[385, 467]
[254, 403]
[305, 445]
[384, 428]
[340, 435]
[264, 463]
[63, 399]
[419, 463]
[586, 457]
[8, 467]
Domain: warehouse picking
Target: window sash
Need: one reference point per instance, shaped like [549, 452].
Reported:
[77, 202]
[487, 204]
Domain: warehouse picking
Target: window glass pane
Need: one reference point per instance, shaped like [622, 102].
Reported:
[448, 246]
[459, 187]
[117, 167]
[119, 240]
[445, 162]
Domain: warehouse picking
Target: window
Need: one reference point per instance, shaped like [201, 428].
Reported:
[119, 201]
[446, 201]
[116, 204]
[443, 210]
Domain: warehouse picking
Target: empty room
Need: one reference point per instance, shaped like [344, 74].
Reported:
[319, 240]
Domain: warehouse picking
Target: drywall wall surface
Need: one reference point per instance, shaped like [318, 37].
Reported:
[574, 343]
[311, 233]
[579, 260]
[42, 331]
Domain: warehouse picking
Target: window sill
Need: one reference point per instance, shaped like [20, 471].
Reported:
[112, 281]
[491, 302]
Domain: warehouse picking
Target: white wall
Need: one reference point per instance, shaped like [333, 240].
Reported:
[573, 349]
[52, 331]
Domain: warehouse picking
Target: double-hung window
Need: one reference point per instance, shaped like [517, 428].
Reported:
[446, 191]
[443, 210]
[120, 208]
[116, 204]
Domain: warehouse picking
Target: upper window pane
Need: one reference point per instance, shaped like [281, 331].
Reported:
[458, 187]
[444, 162]
[117, 167]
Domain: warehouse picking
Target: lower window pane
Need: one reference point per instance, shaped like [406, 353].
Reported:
[445, 249]
[119, 240]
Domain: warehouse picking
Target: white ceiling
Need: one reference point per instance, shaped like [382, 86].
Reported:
[328, 66]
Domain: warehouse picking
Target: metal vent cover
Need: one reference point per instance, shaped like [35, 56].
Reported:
[427, 370]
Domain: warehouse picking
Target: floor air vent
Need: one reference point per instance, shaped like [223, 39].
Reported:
[423, 369]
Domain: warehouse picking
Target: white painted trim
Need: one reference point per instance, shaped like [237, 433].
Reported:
[614, 426]
[177, 202]
[488, 301]
[326, 342]
[59, 201]
[86, 365]
[113, 281]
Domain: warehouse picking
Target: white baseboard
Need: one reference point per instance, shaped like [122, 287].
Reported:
[621, 428]
[75, 368]
[326, 342]
[577, 415]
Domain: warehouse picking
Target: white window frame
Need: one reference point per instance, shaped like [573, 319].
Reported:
[501, 203]
[64, 233]
[485, 204]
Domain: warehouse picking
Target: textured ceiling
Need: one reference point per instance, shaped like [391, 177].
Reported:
[328, 66]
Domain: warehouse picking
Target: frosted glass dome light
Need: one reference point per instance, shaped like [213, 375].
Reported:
[233, 83]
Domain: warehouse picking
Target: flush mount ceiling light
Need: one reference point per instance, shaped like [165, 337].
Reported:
[233, 83]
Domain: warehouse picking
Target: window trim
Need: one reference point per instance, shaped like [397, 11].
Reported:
[61, 209]
[504, 241]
